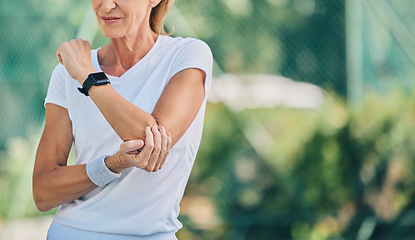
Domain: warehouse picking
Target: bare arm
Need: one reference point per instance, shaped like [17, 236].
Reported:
[175, 110]
[53, 181]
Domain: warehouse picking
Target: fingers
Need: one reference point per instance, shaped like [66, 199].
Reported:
[58, 56]
[72, 45]
[156, 151]
[131, 146]
[145, 154]
[153, 154]
[167, 150]
[163, 150]
[75, 55]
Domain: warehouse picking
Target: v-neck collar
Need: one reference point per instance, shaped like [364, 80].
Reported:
[139, 63]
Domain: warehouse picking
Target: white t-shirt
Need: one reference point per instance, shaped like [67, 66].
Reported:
[138, 203]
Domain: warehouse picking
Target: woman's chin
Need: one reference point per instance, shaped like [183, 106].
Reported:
[113, 33]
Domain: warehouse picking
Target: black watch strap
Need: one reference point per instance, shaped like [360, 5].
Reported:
[86, 86]
[94, 79]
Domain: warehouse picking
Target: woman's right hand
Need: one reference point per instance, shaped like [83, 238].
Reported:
[152, 155]
[75, 55]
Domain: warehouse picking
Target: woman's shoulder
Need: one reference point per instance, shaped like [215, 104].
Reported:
[59, 71]
[186, 43]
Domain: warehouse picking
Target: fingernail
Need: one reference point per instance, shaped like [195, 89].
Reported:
[162, 129]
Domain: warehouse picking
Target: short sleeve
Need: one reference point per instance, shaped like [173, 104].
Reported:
[196, 54]
[56, 90]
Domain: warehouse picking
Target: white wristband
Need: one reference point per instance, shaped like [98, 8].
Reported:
[99, 173]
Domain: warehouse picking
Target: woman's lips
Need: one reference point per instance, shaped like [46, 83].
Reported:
[110, 20]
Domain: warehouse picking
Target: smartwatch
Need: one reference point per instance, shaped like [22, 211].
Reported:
[94, 79]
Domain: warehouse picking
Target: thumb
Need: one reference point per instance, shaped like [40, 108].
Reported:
[131, 145]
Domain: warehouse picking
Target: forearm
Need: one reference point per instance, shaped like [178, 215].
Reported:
[127, 120]
[60, 185]
[175, 110]
[55, 183]
[64, 184]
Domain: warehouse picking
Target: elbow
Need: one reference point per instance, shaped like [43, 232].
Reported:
[153, 121]
[156, 120]
[40, 200]
[132, 132]
[42, 205]
[43, 208]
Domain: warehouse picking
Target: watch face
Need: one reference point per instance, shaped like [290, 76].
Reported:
[99, 76]
[102, 82]
[100, 79]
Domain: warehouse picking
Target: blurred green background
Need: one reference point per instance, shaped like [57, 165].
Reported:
[309, 132]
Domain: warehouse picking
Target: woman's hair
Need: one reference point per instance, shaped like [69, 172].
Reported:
[158, 14]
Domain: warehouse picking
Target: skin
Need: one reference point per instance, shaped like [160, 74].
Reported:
[126, 23]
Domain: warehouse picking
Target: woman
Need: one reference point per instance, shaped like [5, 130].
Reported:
[148, 105]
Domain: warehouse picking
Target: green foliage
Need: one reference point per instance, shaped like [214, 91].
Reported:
[281, 173]
[32, 32]
[322, 172]
[263, 173]
[16, 199]
[302, 40]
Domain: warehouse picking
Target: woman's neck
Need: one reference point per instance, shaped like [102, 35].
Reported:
[123, 53]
